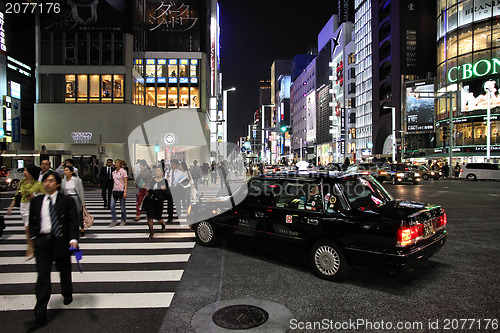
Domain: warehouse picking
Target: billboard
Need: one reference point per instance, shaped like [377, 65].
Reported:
[311, 116]
[475, 94]
[419, 107]
[85, 15]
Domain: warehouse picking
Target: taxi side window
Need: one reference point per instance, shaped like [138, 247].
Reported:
[261, 192]
[300, 195]
[331, 199]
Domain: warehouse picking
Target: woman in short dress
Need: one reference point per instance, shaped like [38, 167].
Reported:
[154, 201]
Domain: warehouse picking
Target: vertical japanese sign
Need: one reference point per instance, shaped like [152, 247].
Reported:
[16, 120]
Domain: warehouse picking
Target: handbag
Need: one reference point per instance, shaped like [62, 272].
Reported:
[117, 194]
[17, 200]
[88, 220]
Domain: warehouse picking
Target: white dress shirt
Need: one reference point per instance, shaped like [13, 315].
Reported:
[45, 220]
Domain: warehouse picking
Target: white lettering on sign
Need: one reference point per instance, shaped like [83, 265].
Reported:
[3, 46]
[81, 137]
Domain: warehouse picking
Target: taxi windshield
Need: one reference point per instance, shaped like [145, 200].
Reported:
[364, 191]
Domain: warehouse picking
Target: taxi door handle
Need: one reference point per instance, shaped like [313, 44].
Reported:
[312, 221]
[259, 214]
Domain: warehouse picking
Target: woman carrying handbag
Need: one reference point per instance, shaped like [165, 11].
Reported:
[72, 186]
[154, 201]
[28, 188]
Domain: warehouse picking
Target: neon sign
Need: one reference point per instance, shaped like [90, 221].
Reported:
[478, 69]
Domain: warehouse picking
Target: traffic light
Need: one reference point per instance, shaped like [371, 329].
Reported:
[284, 128]
[445, 134]
[157, 148]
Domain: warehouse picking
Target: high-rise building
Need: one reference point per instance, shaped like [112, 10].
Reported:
[468, 71]
[394, 44]
[120, 78]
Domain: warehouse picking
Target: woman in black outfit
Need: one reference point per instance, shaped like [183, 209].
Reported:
[154, 201]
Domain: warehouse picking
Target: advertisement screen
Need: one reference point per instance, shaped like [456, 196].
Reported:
[476, 93]
[311, 116]
[420, 107]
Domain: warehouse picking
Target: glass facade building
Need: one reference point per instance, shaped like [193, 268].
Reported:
[363, 49]
[468, 72]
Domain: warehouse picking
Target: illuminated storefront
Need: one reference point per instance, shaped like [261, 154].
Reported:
[468, 72]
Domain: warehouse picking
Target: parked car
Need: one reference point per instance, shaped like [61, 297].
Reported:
[424, 171]
[333, 222]
[401, 173]
[475, 171]
[377, 170]
[4, 183]
[15, 177]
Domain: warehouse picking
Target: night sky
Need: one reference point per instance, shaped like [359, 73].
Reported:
[253, 35]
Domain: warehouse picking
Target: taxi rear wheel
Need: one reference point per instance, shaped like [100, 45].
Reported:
[206, 234]
[425, 176]
[329, 261]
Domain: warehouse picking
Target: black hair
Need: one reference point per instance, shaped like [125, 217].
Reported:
[109, 160]
[56, 176]
[70, 160]
[34, 171]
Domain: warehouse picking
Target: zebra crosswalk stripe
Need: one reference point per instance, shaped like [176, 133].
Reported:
[120, 254]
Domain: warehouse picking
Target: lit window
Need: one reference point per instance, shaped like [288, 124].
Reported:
[82, 89]
[118, 88]
[172, 97]
[94, 89]
[70, 89]
[106, 89]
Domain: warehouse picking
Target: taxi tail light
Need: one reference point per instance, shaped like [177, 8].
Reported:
[408, 235]
[441, 221]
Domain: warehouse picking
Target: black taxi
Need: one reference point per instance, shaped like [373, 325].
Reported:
[337, 222]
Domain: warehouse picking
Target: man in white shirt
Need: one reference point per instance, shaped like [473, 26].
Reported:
[44, 168]
[70, 162]
[54, 227]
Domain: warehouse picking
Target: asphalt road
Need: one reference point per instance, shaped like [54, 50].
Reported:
[459, 283]
[456, 290]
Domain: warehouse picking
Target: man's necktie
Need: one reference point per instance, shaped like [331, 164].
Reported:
[109, 173]
[56, 229]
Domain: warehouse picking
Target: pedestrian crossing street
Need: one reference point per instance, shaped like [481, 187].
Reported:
[122, 268]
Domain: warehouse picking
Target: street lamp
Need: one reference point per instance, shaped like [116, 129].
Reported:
[393, 131]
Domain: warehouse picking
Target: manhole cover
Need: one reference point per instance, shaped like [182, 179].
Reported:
[240, 317]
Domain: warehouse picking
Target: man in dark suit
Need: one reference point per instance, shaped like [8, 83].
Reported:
[54, 227]
[106, 181]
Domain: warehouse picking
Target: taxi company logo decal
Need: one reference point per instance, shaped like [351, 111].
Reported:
[288, 219]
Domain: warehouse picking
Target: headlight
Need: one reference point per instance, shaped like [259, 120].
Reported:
[432, 173]
[417, 174]
[8, 180]
[400, 174]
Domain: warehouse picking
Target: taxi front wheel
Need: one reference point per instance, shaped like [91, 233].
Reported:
[206, 234]
[329, 261]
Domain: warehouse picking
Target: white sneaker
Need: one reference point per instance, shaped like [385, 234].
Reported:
[122, 223]
[112, 224]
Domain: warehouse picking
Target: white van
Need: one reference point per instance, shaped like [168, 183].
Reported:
[475, 171]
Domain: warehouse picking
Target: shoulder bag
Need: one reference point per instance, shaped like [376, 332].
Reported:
[88, 220]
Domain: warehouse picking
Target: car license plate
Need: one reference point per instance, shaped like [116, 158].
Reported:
[410, 178]
[428, 229]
